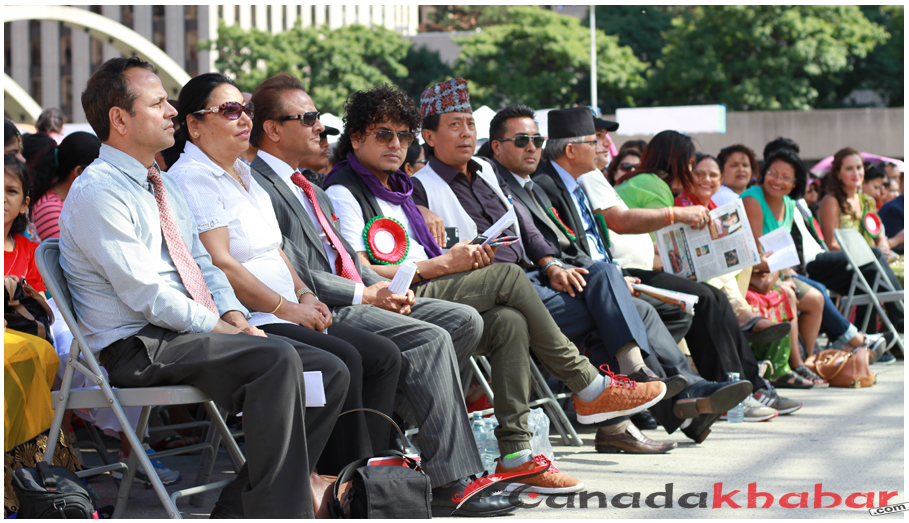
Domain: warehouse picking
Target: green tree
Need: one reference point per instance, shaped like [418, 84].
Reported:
[331, 63]
[760, 57]
[425, 68]
[882, 70]
[542, 59]
[637, 26]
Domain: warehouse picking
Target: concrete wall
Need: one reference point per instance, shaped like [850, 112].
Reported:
[819, 133]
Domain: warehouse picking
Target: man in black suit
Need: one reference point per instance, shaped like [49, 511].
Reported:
[515, 164]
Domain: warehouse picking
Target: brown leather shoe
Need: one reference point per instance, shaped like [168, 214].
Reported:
[674, 384]
[622, 397]
[631, 441]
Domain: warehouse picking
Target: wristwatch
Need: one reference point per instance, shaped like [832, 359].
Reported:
[555, 261]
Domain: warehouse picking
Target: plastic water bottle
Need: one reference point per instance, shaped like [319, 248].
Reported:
[487, 444]
[539, 426]
[735, 414]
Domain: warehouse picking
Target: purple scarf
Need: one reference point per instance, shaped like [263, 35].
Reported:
[401, 189]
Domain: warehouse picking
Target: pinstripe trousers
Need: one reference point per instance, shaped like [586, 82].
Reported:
[435, 339]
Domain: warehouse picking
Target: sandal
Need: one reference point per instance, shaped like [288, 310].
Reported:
[791, 380]
[805, 372]
[775, 332]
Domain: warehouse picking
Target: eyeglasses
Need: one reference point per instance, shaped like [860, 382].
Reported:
[308, 119]
[419, 162]
[627, 166]
[811, 188]
[230, 110]
[588, 141]
[521, 140]
[384, 137]
[779, 177]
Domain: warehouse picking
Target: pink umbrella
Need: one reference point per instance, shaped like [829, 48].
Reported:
[823, 167]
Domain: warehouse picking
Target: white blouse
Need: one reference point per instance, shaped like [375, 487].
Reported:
[216, 200]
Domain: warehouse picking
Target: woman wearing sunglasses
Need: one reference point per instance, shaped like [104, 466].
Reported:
[627, 161]
[237, 225]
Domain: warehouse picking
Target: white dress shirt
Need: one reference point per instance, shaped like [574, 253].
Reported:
[285, 172]
[351, 216]
[217, 199]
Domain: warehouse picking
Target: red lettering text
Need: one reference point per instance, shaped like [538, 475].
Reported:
[719, 498]
[819, 495]
[803, 502]
[753, 494]
[869, 500]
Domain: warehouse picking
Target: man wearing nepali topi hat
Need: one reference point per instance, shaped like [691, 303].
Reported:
[369, 188]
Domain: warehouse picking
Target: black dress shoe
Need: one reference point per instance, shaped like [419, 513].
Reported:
[630, 441]
[709, 397]
[644, 420]
[478, 506]
[220, 512]
[700, 427]
[674, 384]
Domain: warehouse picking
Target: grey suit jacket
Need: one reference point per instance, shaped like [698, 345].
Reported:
[573, 255]
[301, 241]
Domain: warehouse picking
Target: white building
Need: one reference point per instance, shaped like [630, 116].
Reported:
[51, 60]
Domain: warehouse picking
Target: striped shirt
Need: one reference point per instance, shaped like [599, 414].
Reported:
[115, 259]
[46, 215]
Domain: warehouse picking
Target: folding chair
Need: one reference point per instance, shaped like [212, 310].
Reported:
[545, 397]
[859, 254]
[82, 359]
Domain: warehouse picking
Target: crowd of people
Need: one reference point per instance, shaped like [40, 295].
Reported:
[217, 240]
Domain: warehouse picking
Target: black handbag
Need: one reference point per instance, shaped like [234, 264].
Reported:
[25, 309]
[51, 492]
[382, 492]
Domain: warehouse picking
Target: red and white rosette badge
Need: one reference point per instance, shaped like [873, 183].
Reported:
[386, 241]
[871, 222]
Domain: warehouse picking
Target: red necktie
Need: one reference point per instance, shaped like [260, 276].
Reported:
[186, 266]
[344, 264]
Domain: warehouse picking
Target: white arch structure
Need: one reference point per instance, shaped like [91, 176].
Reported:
[122, 38]
[18, 103]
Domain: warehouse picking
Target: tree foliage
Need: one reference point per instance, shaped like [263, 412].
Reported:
[542, 59]
[760, 57]
[331, 63]
[425, 67]
[882, 70]
[637, 26]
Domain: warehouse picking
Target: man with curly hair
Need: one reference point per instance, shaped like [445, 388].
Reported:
[430, 334]
[372, 197]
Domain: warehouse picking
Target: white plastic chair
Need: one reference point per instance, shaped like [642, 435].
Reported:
[881, 290]
[82, 359]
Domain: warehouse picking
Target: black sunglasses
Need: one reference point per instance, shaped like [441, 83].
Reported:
[308, 119]
[230, 110]
[521, 140]
[627, 166]
[384, 137]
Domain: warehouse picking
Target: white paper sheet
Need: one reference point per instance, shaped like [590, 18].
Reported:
[780, 243]
[403, 278]
[506, 221]
[315, 389]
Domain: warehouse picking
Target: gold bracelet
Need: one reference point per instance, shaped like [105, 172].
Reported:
[280, 302]
[303, 290]
[671, 216]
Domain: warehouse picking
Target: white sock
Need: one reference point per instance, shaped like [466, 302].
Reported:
[523, 456]
[596, 387]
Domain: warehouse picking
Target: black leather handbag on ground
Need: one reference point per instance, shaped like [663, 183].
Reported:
[382, 492]
[51, 492]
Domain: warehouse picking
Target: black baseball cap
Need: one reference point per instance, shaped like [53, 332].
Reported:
[599, 123]
[331, 131]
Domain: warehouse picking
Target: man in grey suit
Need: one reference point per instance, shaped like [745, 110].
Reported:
[432, 335]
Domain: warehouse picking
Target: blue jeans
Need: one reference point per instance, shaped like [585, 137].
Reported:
[833, 324]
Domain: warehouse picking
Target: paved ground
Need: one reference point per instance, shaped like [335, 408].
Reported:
[847, 440]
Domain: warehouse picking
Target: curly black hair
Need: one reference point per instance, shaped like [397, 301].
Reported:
[382, 103]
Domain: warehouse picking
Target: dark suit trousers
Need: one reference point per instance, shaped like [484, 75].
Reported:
[665, 359]
[603, 317]
[831, 269]
[263, 377]
[374, 364]
[715, 340]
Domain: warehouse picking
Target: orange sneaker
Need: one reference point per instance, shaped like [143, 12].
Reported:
[550, 482]
[622, 397]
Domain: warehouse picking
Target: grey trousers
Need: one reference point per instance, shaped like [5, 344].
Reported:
[514, 319]
[263, 377]
[434, 338]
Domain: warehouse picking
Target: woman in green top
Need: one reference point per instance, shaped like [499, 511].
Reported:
[769, 207]
[659, 176]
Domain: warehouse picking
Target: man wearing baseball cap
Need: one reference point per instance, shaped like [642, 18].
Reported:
[604, 141]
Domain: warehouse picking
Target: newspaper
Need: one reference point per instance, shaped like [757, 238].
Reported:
[686, 302]
[724, 246]
[779, 241]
